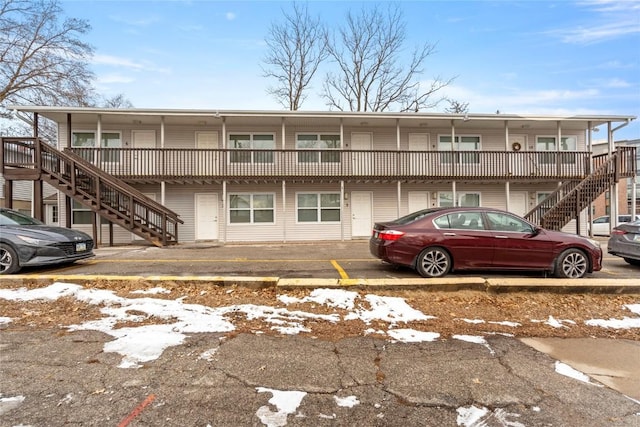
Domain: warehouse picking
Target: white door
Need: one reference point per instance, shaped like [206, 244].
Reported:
[518, 202]
[418, 200]
[361, 213]
[207, 161]
[51, 214]
[418, 161]
[144, 160]
[206, 216]
[362, 162]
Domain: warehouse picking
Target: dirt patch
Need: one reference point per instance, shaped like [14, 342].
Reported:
[456, 313]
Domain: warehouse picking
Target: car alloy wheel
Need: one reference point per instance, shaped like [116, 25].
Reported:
[8, 259]
[433, 262]
[572, 264]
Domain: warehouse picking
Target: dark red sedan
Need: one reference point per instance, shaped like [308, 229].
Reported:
[441, 240]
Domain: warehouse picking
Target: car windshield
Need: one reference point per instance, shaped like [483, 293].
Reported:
[16, 218]
[408, 219]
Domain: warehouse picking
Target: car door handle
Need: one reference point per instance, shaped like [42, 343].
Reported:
[449, 234]
[501, 237]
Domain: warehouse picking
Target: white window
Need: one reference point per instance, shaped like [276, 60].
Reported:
[251, 208]
[80, 213]
[252, 148]
[109, 140]
[318, 207]
[320, 148]
[445, 199]
[464, 143]
[548, 143]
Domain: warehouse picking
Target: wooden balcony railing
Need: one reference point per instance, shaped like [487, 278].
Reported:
[162, 164]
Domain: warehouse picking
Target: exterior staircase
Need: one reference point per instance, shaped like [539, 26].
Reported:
[572, 197]
[111, 198]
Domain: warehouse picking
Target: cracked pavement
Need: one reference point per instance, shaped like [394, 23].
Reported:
[213, 379]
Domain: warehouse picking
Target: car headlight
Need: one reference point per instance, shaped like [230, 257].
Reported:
[34, 241]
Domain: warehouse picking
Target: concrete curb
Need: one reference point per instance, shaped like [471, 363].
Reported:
[501, 285]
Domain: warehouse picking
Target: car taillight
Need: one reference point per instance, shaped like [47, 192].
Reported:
[390, 235]
[620, 232]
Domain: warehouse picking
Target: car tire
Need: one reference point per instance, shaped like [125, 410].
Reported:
[9, 262]
[632, 261]
[433, 262]
[572, 264]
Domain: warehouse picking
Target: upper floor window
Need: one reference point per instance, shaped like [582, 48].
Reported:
[463, 143]
[549, 143]
[323, 143]
[87, 139]
[256, 148]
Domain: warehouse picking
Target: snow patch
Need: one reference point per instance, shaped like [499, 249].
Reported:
[286, 402]
[411, 335]
[346, 402]
[568, 371]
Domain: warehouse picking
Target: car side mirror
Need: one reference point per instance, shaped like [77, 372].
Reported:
[536, 231]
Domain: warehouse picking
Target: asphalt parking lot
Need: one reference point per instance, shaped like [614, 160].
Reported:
[346, 261]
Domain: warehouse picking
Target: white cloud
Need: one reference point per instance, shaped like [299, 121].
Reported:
[230, 16]
[114, 79]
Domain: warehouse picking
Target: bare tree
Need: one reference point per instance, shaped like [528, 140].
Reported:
[456, 106]
[296, 48]
[42, 59]
[372, 75]
[117, 101]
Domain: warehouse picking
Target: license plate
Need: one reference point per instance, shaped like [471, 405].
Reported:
[81, 247]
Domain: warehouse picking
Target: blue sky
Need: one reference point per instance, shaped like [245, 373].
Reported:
[536, 57]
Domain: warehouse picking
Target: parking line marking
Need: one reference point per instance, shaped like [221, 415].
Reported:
[343, 274]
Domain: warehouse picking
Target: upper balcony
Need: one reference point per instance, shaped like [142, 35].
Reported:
[149, 165]
[193, 165]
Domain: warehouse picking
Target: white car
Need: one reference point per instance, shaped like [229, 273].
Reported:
[600, 225]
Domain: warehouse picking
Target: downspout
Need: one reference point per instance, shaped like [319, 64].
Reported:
[615, 185]
[613, 190]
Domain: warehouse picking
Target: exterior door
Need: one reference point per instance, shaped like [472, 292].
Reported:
[144, 159]
[418, 200]
[361, 214]
[418, 162]
[518, 203]
[206, 216]
[207, 164]
[362, 161]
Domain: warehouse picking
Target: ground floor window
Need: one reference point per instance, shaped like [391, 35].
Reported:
[251, 208]
[445, 199]
[318, 207]
[80, 213]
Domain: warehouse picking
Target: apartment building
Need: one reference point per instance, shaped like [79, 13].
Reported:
[250, 176]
